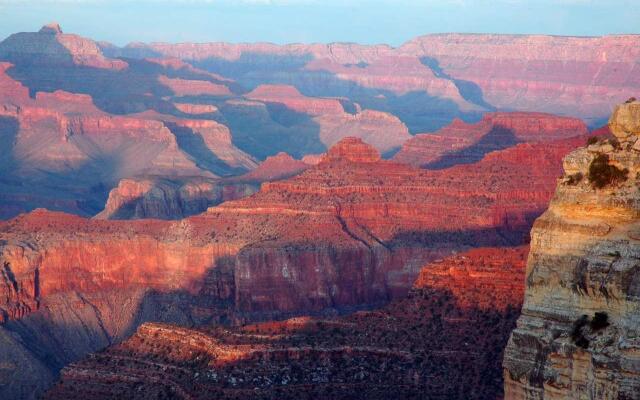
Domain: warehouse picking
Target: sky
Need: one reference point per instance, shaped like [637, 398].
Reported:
[290, 21]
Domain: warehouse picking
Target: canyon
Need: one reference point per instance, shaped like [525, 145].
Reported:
[445, 338]
[220, 220]
[351, 232]
[80, 116]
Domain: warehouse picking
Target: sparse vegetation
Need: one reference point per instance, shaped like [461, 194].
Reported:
[600, 321]
[615, 143]
[603, 174]
[574, 179]
[577, 334]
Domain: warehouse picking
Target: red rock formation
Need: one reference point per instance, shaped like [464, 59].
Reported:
[294, 100]
[349, 232]
[186, 87]
[443, 341]
[276, 167]
[196, 109]
[11, 91]
[51, 46]
[371, 212]
[351, 149]
[577, 76]
[463, 142]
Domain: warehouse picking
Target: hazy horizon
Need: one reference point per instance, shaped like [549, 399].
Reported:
[310, 21]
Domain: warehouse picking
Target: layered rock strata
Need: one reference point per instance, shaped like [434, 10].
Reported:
[578, 333]
[444, 340]
[463, 143]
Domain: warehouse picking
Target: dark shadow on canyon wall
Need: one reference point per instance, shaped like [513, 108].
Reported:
[26, 187]
[71, 325]
[470, 91]
[428, 347]
[9, 128]
[498, 138]
[420, 111]
[265, 131]
[194, 145]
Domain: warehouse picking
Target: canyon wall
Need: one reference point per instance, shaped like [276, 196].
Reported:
[444, 340]
[460, 73]
[352, 231]
[577, 336]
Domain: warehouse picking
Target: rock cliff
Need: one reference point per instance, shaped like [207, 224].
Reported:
[350, 232]
[578, 333]
[461, 142]
[50, 46]
[439, 76]
[444, 340]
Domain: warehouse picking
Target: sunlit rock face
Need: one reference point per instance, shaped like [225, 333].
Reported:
[444, 340]
[538, 72]
[351, 232]
[461, 73]
[578, 333]
[463, 143]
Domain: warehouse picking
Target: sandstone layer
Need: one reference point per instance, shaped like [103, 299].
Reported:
[440, 76]
[350, 232]
[444, 340]
[578, 333]
[463, 143]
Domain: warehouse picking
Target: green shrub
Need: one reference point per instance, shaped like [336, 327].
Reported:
[599, 321]
[602, 174]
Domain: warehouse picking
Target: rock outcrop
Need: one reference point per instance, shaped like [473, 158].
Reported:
[459, 73]
[153, 197]
[444, 340]
[350, 232]
[51, 46]
[578, 333]
[461, 143]
[274, 168]
[537, 72]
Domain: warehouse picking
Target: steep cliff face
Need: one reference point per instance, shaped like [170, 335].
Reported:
[578, 76]
[383, 130]
[460, 142]
[51, 45]
[537, 72]
[137, 198]
[444, 340]
[578, 333]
